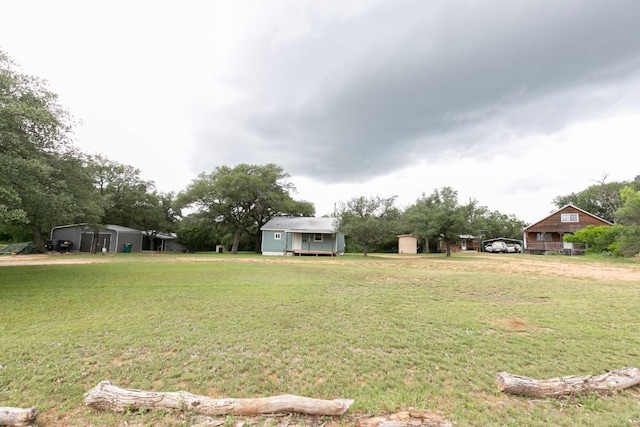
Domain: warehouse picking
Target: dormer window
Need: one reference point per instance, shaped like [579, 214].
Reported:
[569, 217]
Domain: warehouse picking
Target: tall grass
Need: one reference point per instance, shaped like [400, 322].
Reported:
[390, 332]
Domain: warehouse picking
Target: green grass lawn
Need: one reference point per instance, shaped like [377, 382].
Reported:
[393, 333]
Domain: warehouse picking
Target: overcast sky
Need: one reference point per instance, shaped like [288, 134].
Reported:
[509, 102]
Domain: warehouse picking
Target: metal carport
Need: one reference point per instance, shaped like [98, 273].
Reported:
[503, 239]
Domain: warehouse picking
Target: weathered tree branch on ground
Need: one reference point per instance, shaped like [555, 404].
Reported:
[568, 386]
[17, 417]
[109, 397]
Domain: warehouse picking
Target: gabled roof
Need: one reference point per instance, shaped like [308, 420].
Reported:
[302, 224]
[563, 208]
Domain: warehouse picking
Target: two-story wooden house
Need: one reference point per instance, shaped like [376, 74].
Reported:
[548, 233]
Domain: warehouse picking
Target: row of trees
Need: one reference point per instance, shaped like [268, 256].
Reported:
[234, 203]
[373, 223]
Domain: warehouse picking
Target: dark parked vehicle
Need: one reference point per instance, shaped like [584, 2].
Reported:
[58, 245]
[52, 245]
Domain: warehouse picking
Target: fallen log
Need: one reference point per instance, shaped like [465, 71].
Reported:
[568, 386]
[107, 396]
[17, 417]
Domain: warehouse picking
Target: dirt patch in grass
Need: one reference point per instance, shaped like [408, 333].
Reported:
[516, 324]
[42, 259]
[513, 323]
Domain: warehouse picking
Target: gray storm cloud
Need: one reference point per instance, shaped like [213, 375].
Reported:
[349, 98]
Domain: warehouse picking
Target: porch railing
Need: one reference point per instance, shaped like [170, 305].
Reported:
[545, 246]
[578, 248]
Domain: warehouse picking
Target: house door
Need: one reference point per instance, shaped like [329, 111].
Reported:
[297, 242]
[306, 242]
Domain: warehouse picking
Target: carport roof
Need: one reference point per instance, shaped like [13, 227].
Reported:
[504, 239]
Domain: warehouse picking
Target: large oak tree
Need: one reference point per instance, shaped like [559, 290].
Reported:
[368, 221]
[440, 216]
[243, 198]
[42, 179]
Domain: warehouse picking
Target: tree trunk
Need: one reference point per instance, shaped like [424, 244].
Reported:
[95, 242]
[365, 250]
[236, 242]
[568, 386]
[448, 246]
[109, 397]
[17, 417]
[258, 241]
[37, 239]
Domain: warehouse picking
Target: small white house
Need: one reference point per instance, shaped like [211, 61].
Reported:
[302, 236]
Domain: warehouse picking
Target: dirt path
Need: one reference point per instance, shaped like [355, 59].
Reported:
[41, 259]
[515, 264]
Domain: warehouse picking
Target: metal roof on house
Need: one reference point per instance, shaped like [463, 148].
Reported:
[302, 224]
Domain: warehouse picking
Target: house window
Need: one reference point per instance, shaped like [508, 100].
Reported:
[569, 217]
[277, 236]
[544, 237]
[317, 237]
